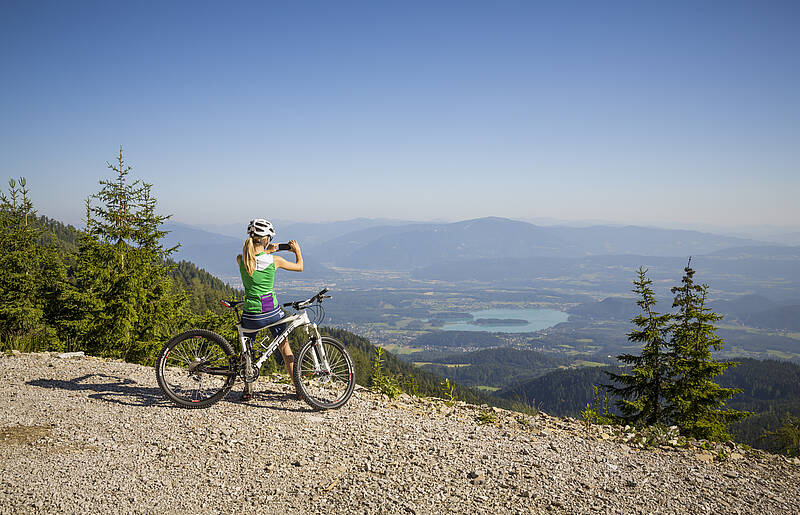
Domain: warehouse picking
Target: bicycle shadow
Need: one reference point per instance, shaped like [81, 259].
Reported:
[118, 390]
[125, 391]
[276, 401]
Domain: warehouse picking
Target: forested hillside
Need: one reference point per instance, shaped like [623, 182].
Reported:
[770, 389]
[459, 339]
[491, 368]
[561, 392]
[204, 290]
[56, 233]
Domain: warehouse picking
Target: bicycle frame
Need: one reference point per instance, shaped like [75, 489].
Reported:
[299, 319]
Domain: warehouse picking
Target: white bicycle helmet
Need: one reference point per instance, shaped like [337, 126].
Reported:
[260, 227]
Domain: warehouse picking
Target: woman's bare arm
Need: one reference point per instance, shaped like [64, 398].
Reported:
[297, 266]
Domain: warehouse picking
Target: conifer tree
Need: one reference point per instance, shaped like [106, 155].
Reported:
[31, 273]
[696, 402]
[21, 262]
[786, 439]
[641, 396]
[125, 302]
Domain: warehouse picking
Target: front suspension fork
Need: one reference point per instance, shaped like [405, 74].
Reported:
[320, 358]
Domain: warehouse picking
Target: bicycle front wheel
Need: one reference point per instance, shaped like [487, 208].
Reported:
[196, 368]
[324, 387]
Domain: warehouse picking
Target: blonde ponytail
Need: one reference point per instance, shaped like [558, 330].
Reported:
[249, 256]
[249, 252]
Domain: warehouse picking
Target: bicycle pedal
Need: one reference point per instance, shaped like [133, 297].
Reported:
[246, 397]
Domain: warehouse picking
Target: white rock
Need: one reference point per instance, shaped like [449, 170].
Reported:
[69, 355]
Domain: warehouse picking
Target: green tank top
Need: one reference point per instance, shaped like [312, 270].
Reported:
[259, 296]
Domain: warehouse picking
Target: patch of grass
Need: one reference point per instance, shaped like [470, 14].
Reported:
[400, 350]
[584, 363]
[780, 354]
[448, 365]
[34, 341]
[486, 388]
[486, 417]
[21, 435]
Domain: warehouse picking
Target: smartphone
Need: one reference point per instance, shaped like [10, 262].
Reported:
[284, 246]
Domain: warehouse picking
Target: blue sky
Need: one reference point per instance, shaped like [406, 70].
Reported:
[634, 112]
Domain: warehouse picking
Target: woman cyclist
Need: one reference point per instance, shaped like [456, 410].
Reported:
[257, 266]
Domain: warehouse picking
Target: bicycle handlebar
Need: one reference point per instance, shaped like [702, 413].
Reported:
[298, 304]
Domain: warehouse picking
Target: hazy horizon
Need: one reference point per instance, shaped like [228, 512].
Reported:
[784, 235]
[679, 115]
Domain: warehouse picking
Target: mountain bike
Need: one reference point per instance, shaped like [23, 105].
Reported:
[199, 367]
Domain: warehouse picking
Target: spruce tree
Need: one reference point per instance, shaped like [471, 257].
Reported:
[125, 302]
[641, 394]
[696, 402]
[32, 274]
[21, 260]
[786, 440]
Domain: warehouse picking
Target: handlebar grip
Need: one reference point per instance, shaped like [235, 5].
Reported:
[324, 291]
[287, 304]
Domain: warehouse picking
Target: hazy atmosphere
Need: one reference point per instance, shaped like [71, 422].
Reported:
[676, 114]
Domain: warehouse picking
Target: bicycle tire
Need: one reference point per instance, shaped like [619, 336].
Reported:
[248, 366]
[319, 389]
[196, 368]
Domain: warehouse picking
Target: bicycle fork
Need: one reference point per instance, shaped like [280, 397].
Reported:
[318, 356]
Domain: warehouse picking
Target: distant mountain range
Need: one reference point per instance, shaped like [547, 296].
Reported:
[419, 245]
[503, 251]
[377, 243]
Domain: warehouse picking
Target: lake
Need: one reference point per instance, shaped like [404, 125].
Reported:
[536, 319]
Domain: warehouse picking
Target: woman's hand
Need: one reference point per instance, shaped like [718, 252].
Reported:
[295, 246]
[271, 248]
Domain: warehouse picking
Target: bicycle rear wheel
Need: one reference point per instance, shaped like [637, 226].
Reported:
[324, 389]
[196, 368]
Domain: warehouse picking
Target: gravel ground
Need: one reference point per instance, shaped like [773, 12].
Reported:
[87, 435]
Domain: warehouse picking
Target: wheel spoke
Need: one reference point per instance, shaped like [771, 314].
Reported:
[185, 352]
